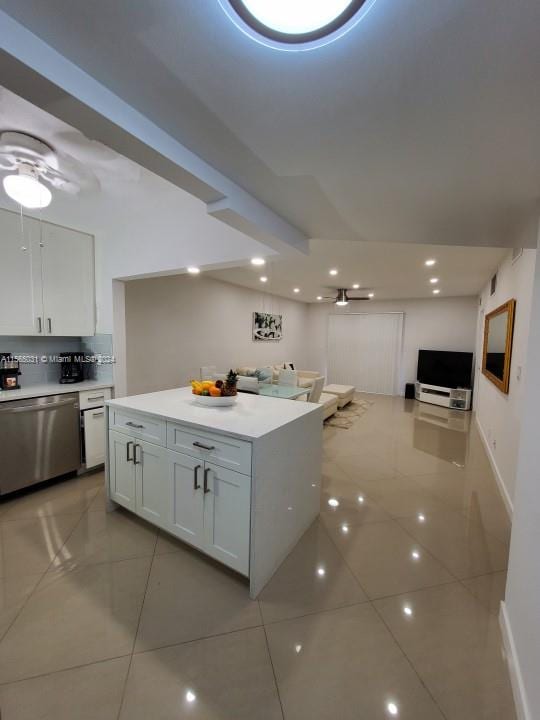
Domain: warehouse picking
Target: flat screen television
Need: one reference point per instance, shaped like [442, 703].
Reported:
[444, 368]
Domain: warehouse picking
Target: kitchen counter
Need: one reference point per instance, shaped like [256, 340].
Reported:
[251, 417]
[240, 484]
[43, 389]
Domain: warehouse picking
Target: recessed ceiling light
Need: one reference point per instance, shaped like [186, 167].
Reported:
[361, 499]
[356, 286]
[421, 517]
[295, 24]
[258, 261]
[321, 572]
[263, 278]
[190, 696]
[392, 708]
[296, 290]
[371, 295]
[430, 262]
[345, 528]
[333, 271]
[319, 297]
[193, 270]
[407, 610]
[433, 281]
[415, 555]
[436, 291]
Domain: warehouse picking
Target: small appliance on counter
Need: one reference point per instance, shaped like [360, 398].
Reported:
[71, 368]
[9, 372]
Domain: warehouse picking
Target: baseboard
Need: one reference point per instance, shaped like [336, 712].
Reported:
[518, 688]
[509, 505]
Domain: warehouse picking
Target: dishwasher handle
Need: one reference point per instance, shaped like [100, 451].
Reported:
[38, 408]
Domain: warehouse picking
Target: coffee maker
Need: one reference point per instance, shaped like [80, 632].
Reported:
[9, 372]
[71, 368]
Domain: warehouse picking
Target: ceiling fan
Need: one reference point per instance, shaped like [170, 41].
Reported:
[35, 167]
[342, 298]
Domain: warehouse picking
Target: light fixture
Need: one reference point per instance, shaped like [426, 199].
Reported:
[436, 291]
[342, 298]
[344, 528]
[258, 261]
[25, 188]
[296, 290]
[433, 281]
[407, 610]
[193, 270]
[371, 295]
[263, 278]
[392, 709]
[333, 502]
[333, 271]
[356, 286]
[295, 24]
[361, 499]
[430, 262]
[321, 572]
[190, 696]
[319, 297]
[415, 555]
[421, 517]
[298, 648]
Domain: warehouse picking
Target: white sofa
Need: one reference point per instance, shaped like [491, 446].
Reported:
[305, 377]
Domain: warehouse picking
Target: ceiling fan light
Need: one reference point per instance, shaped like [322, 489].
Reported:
[25, 189]
[342, 303]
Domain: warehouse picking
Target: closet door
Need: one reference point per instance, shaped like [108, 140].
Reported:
[21, 301]
[364, 350]
[68, 281]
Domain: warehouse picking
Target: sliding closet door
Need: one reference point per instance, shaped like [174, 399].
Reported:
[364, 350]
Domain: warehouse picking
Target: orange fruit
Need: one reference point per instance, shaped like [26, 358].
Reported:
[214, 392]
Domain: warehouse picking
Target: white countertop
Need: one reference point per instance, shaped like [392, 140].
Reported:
[42, 389]
[251, 417]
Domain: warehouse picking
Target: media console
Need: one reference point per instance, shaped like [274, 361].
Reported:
[454, 398]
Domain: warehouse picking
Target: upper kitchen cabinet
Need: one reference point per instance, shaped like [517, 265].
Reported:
[21, 298]
[67, 261]
[46, 278]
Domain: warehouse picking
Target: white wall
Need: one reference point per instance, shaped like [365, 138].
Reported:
[521, 611]
[499, 415]
[433, 324]
[176, 324]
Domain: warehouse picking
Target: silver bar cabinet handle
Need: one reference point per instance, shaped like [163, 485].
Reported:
[135, 461]
[196, 485]
[49, 325]
[128, 458]
[39, 324]
[134, 425]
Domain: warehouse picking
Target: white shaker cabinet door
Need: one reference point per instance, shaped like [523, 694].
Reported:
[227, 516]
[151, 482]
[68, 281]
[94, 437]
[122, 469]
[186, 498]
[21, 301]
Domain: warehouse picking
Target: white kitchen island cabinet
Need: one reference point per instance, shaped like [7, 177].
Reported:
[240, 483]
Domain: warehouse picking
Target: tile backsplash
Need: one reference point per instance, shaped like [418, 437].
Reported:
[43, 348]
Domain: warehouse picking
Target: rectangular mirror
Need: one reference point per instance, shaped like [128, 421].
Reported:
[498, 333]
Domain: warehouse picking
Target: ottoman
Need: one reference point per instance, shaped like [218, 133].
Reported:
[344, 393]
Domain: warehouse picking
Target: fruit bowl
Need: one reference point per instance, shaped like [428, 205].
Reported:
[210, 401]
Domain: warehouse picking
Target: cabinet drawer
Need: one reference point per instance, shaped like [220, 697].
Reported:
[94, 398]
[224, 451]
[144, 427]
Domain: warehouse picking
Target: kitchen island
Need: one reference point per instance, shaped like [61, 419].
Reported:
[239, 483]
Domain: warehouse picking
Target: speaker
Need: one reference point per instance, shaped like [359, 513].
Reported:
[409, 391]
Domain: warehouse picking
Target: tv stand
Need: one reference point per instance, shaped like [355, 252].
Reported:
[454, 398]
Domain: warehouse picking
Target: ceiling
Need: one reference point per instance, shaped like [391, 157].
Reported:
[419, 126]
[390, 270]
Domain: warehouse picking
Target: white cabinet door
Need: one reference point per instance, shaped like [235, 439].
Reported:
[21, 301]
[68, 281]
[94, 437]
[151, 482]
[227, 516]
[122, 469]
[186, 498]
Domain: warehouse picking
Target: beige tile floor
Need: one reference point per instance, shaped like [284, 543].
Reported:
[387, 608]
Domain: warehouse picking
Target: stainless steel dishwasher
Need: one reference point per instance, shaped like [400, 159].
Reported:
[39, 440]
